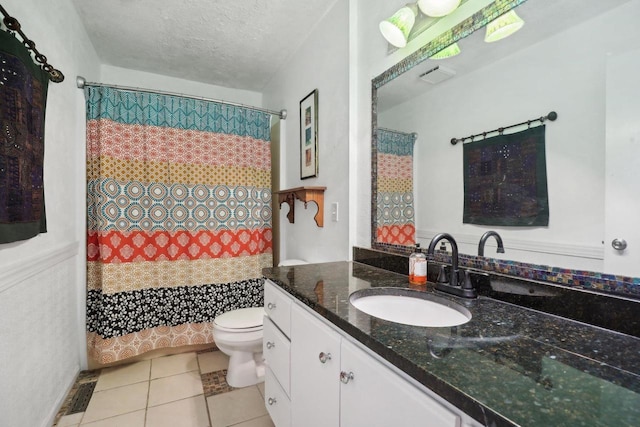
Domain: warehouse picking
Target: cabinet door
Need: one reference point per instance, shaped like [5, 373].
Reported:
[315, 371]
[375, 396]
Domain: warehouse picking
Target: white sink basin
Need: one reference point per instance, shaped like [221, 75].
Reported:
[409, 307]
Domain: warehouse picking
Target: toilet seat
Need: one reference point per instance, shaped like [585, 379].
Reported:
[240, 320]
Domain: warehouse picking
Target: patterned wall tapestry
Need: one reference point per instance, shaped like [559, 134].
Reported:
[395, 216]
[23, 96]
[179, 218]
[505, 180]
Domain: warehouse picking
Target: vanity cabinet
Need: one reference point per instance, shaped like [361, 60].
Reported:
[376, 396]
[335, 381]
[315, 371]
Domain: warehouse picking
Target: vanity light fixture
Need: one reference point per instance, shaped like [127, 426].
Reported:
[503, 26]
[447, 52]
[397, 28]
[438, 8]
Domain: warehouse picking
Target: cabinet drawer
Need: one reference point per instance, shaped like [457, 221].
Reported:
[277, 305]
[276, 350]
[276, 401]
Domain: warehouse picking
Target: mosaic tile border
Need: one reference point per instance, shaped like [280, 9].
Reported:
[215, 383]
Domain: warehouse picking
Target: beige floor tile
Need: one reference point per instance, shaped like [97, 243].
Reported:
[116, 401]
[173, 365]
[213, 361]
[190, 412]
[264, 421]
[70, 420]
[235, 406]
[261, 389]
[123, 375]
[175, 387]
[132, 419]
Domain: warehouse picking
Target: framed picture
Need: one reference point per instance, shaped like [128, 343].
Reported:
[309, 136]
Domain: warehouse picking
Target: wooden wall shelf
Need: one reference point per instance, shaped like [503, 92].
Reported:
[306, 195]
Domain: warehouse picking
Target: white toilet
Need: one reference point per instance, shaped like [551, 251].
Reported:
[238, 334]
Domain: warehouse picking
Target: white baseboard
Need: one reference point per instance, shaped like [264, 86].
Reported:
[51, 417]
[18, 272]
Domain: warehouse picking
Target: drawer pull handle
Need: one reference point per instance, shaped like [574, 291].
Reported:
[324, 357]
[346, 377]
[271, 401]
[271, 306]
[270, 345]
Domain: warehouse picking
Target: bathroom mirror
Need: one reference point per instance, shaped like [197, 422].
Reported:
[579, 58]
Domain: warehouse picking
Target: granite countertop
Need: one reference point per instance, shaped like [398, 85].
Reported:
[508, 366]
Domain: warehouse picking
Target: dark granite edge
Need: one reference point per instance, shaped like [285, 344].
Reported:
[459, 399]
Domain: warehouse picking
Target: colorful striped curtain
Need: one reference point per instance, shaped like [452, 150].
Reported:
[178, 218]
[395, 213]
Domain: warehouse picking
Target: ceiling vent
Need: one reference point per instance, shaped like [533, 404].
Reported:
[437, 74]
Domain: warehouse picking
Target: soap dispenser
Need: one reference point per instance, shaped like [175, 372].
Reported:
[417, 267]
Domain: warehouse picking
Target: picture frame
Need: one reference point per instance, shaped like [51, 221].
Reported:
[309, 135]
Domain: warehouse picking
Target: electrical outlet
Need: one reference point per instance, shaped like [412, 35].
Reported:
[334, 211]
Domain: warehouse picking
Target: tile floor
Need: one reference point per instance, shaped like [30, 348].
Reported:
[185, 390]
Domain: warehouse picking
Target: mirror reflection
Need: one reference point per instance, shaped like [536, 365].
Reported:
[579, 58]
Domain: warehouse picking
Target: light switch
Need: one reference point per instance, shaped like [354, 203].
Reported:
[334, 211]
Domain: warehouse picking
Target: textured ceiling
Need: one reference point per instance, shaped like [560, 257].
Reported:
[232, 43]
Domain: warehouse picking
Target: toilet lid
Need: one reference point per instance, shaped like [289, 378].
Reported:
[241, 318]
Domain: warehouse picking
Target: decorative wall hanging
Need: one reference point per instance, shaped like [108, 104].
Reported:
[309, 136]
[505, 180]
[395, 211]
[23, 99]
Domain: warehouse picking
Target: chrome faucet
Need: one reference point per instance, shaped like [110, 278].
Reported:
[484, 238]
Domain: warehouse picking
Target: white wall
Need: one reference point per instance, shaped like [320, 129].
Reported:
[41, 282]
[322, 63]
[110, 74]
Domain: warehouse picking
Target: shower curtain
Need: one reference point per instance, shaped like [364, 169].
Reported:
[178, 218]
[395, 211]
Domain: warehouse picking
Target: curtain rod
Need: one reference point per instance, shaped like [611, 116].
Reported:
[13, 24]
[551, 116]
[81, 83]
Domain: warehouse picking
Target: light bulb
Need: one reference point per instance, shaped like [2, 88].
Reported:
[438, 8]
